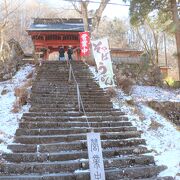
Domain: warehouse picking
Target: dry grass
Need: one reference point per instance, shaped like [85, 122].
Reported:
[16, 106]
[124, 83]
[4, 91]
[130, 102]
[154, 125]
[29, 75]
[22, 96]
[111, 92]
[138, 112]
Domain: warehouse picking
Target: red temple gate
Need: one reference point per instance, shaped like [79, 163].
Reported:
[49, 34]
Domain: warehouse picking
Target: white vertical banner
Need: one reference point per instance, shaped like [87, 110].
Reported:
[96, 164]
[103, 61]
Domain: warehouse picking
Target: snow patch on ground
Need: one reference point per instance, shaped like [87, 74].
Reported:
[9, 120]
[149, 93]
[163, 140]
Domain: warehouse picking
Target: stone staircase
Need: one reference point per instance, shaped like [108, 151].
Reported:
[50, 143]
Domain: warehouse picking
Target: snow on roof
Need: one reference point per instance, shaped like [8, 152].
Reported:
[57, 24]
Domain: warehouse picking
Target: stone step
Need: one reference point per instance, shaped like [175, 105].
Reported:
[84, 86]
[71, 146]
[71, 155]
[61, 68]
[89, 84]
[72, 165]
[64, 78]
[92, 87]
[60, 71]
[65, 83]
[42, 139]
[68, 106]
[128, 173]
[49, 71]
[54, 92]
[69, 109]
[74, 97]
[46, 69]
[55, 125]
[62, 131]
[88, 102]
[62, 91]
[66, 96]
[57, 94]
[79, 119]
[64, 75]
[70, 100]
[73, 113]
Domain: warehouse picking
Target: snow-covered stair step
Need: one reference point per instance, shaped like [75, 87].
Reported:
[41, 139]
[72, 106]
[137, 172]
[62, 84]
[72, 155]
[73, 114]
[77, 118]
[91, 85]
[72, 165]
[71, 100]
[32, 109]
[40, 124]
[66, 96]
[76, 145]
[46, 131]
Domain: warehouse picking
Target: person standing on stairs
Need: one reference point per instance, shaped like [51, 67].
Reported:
[70, 52]
[61, 54]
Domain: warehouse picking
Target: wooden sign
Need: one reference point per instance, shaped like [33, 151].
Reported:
[96, 164]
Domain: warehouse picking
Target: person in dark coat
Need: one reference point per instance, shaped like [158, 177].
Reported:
[70, 52]
[61, 54]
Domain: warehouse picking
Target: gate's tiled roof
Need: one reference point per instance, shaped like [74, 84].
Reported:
[57, 24]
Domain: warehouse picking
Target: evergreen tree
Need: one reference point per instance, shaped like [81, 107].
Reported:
[165, 11]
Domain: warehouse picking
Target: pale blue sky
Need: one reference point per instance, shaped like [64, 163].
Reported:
[111, 10]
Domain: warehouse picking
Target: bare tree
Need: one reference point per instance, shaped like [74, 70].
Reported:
[6, 12]
[116, 30]
[176, 21]
[81, 6]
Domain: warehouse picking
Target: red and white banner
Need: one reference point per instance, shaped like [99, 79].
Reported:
[103, 61]
[85, 43]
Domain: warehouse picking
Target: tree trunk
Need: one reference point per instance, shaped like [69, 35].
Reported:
[98, 14]
[148, 50]
[1, 44]
[177, 32]
[84, 12]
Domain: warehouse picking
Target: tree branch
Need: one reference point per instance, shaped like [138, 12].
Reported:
[76, 7]
[98, 13]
